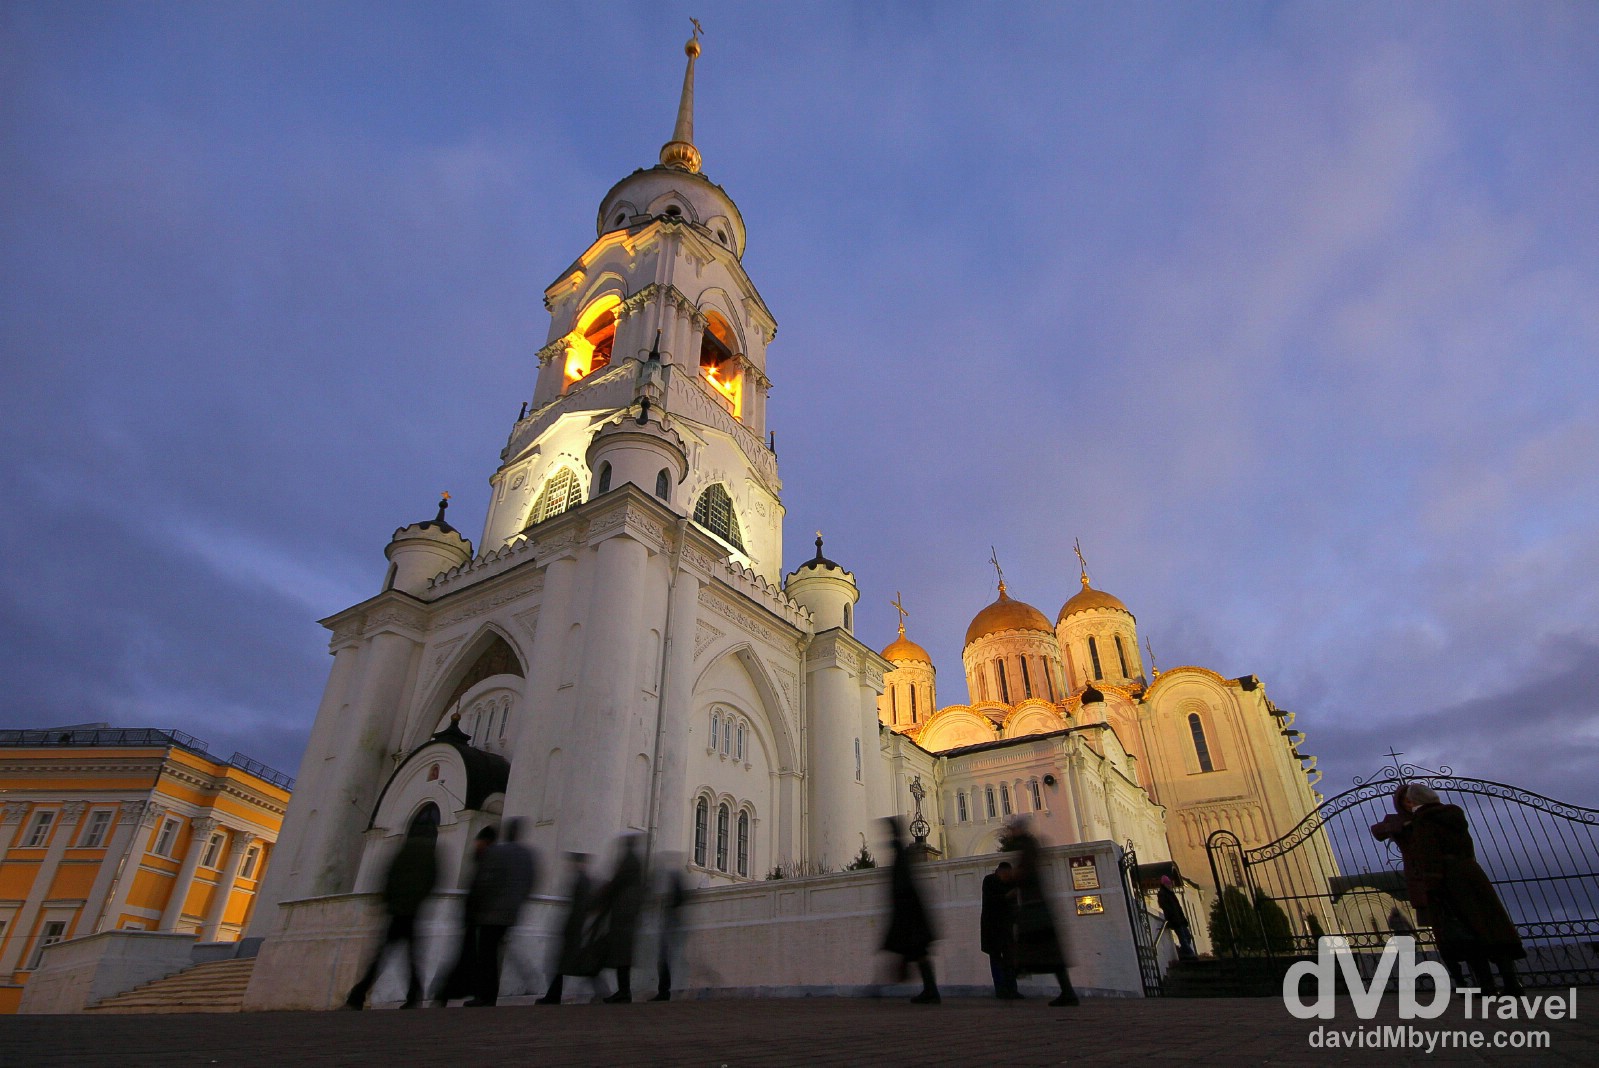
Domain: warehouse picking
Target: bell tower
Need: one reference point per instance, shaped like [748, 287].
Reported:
[654, 328]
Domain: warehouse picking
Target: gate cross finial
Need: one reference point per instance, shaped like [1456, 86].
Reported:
[1398, 768]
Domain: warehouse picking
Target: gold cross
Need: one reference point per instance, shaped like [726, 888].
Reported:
[902, 613]
[698, 29]
[993, 558]
[444, 496]
[1077, 547]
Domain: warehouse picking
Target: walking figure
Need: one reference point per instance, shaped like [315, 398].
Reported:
[1176, 919]
[569, 955]
[409, 882]
[1038, 944]
[996, 930]
[910, 929]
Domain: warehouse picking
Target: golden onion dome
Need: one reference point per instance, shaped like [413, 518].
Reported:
[1006, 614]
[902, 648]
[1088, 598]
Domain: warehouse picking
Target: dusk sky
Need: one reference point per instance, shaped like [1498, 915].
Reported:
[1288, 311]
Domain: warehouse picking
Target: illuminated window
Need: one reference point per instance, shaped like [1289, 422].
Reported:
[1121, 654]
[714, 511]
[605, 479]
[39, 833]
[702, 820]
[588, 348]
[165, 839]
[1093, 654]
[561, 491]
[94, 833]
[213, 851]
[663, 485]
[743, 843]
[720, 365]
[722, 815]
[1201, 747]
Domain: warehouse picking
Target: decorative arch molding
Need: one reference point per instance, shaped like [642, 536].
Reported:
[1187, 673]
[472, 664]
[718, 301]
[666, 200]
[1033, 718]
[438, 773]
[954, 727]
[783, 755]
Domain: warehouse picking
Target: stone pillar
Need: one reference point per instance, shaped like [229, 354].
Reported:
[669, 832]
[12, 815]
[837, 798]
[238, 842]
[200, 832]
[608, 694]
[116, 852]
[22, 926]
[143, 837]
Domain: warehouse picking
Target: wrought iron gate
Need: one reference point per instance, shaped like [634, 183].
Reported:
[1329, 875]
[1138, 917]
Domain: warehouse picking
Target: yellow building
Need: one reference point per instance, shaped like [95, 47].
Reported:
[104, 829]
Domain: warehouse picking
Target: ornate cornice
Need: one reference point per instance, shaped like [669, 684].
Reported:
[14, 811]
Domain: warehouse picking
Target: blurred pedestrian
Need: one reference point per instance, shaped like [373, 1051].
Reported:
[1176, 919]
[910, 928]
[461, 979]
[569, 955]
[617, 909]
[409, 882]
[674, 893]
[1038, 944]
[504, 878]
[996, 930]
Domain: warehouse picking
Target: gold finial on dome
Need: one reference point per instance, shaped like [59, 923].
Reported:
[993, 558]
[680, 153]
[901, 610]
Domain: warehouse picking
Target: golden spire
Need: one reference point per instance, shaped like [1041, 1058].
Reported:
[1077, 547]
[680, 153]
[993, 558]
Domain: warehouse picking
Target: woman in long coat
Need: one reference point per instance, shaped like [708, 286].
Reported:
[910, 928]
[569, 959]
[1449, 889]
[1038, 943]
[617, 907]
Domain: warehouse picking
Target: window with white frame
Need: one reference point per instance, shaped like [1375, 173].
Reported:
[744, 843]
[739, 749]
[857, 760]
[39, 830]
[702, 830]
[1004, 798]
[988, 792]
[54, 931]
[165, 840]
[213, 851]
[94, 831]
[960, 806]
[723, 815]
[716, 731]
[252, 857]
[1038, 796]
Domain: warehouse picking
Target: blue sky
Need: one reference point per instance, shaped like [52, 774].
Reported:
[1288, 311]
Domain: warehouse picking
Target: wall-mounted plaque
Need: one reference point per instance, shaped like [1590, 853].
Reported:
[1085, 876]
[1088, 904]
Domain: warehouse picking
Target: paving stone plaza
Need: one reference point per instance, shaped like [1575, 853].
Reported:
[760, 1034]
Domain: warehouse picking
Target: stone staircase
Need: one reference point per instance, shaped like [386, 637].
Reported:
[216, 986]
[1227, 977]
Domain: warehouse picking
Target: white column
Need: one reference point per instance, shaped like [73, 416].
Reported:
[200, 833]
[148, 827]
[65, 827]
[671, 763]
[116, 851]
[237, 843]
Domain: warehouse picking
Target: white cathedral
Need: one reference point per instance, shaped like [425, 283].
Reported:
[621, 651]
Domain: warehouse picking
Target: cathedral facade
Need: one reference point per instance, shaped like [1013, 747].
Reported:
[622, 652]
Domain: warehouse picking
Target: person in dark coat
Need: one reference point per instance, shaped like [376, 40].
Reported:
[1176, 918]
[569, 956]
[500, 887]
[1448, 888]
[1038, 944]
[461, 979]
[409, 882]
[674, 893]
[617, 909]
[996, 931]
[910, 928]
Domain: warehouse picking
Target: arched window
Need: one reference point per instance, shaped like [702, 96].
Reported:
[663, 485]
[913, 702]
[1121, 654]
[716, 731]
[989, 796]
[743, 843]
[1027, 680]
[857, 760]
[1201, 748]
[605, 478]
[1038, 796]
[1049, 680]
[425, 820]
[727, 737]
[714, 511]
[561, 491]
[960, 806]
[848, 624]
[1004, 798]
[1093, 654]
[722, 814]
[588, 348]
[740, 748]
[893, 703]
[1004, 683]
[720, 365]
[702, 826]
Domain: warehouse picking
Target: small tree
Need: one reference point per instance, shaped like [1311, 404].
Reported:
[863, 859]
[1239, 925]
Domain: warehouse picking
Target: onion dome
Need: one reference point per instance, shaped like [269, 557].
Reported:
[902, 649]
[1088, 598]
[1006, 614]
